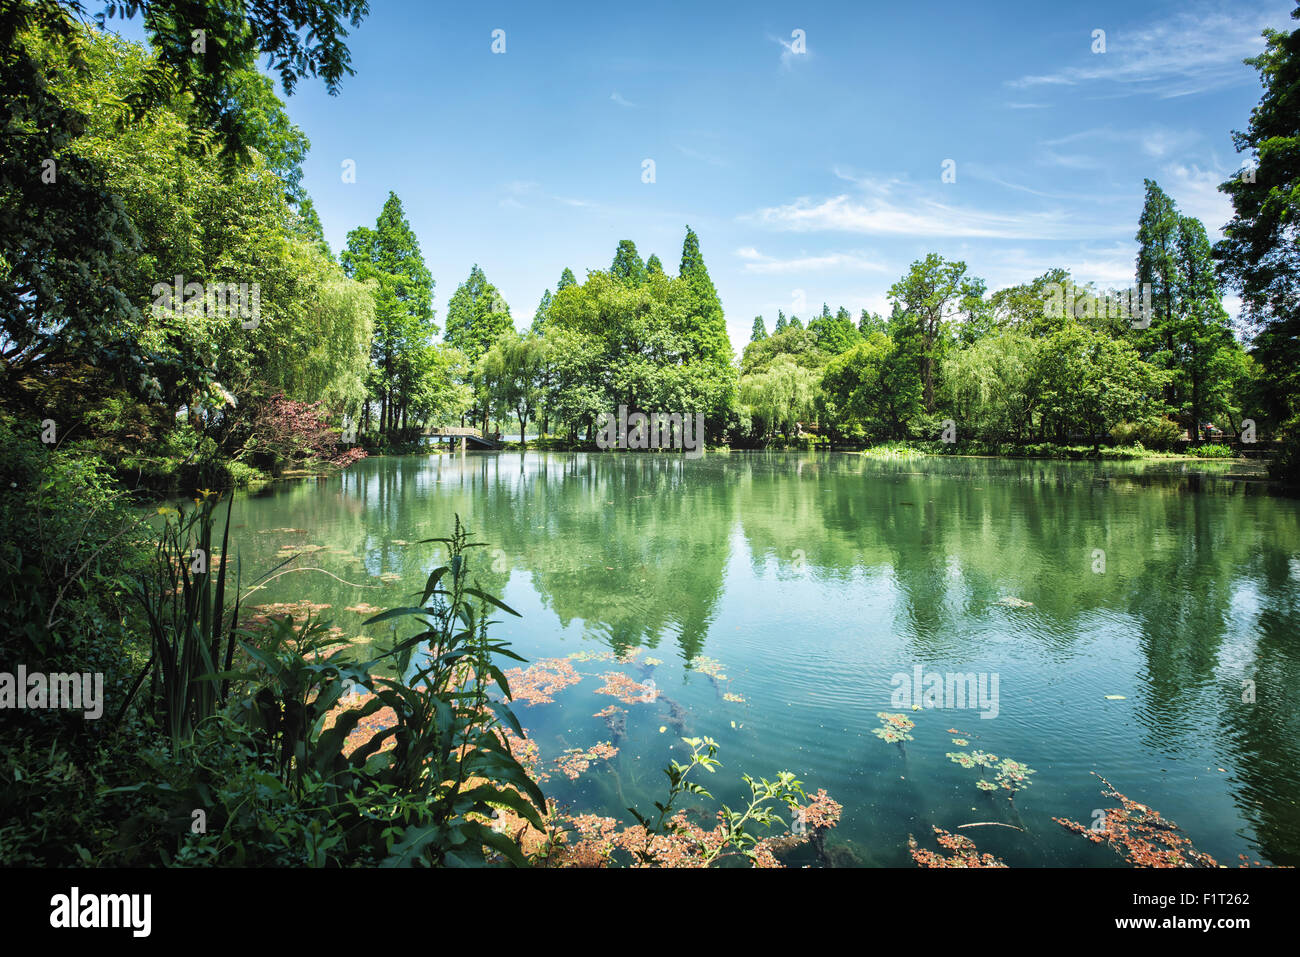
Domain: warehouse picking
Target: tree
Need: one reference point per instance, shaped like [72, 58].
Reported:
[835, 334]
[799, 344]
[873, 385]
[511, 372]
[869, 322]
[1202, 330]
[759, 331]
[1259, 255]
[566, 280]
[1157, 264]
[933, 294]
[389, 255]
[1090, 382]
[477, 316]
[65, 294]
[781, 397]
[780, 322]
[991, 384]
[299, 39]
[627, 264]
[543, 309]
[653, 266]
[707, 332]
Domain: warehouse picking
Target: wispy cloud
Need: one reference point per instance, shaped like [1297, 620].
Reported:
[1110, 266]
[756, 262]
[1196, 51]
[1072, 151]
[891, 208]
[622, 100]
[515, 189]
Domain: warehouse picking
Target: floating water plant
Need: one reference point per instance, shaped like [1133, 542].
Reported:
[625, 689]
[539, 681]
[1139, 834]
[980, 759]
[964, 853]
[1013, 776]
[894, 727]
[575, 760]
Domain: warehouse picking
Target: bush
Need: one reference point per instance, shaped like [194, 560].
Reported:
[1285, 466]
[68, 544]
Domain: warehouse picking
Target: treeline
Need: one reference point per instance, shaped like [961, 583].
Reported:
[629, 335]
[1049, 360]
[126, 176]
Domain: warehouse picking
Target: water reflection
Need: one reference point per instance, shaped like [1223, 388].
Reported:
[817, 576]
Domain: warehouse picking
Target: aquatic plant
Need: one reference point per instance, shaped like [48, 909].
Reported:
[625, 689]
[574, 761]
[1139, 834]
[537, 683]
[964, 853]
[192, 630]
[1011, 775]
[420, 788]
[710, 667]
[894, 727]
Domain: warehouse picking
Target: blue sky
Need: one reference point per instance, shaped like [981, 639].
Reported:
[809, 177]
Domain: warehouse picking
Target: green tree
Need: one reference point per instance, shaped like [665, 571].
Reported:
[873, 385]
[512, 373]
[759, 331]
[934, 294]
[627, 264]
[653, 266]
[566, 280]
[1157, 265]
[837, 333]
[1259, 255]
[991, 384]
[543, 309]
[1203, 331]
[707, 333]
[389, 255]
[780, 398]
[1089, 383]
[477, 316]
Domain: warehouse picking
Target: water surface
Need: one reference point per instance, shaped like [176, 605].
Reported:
[812, 579]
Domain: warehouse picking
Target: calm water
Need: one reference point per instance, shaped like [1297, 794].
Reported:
[813, 579]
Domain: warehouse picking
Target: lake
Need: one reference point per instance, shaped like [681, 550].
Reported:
[1138, 620]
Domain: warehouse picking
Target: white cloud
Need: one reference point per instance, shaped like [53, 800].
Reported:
[621, 100]
[1191, 53]
[1196, 191]
[769, 265]
[878, 213]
